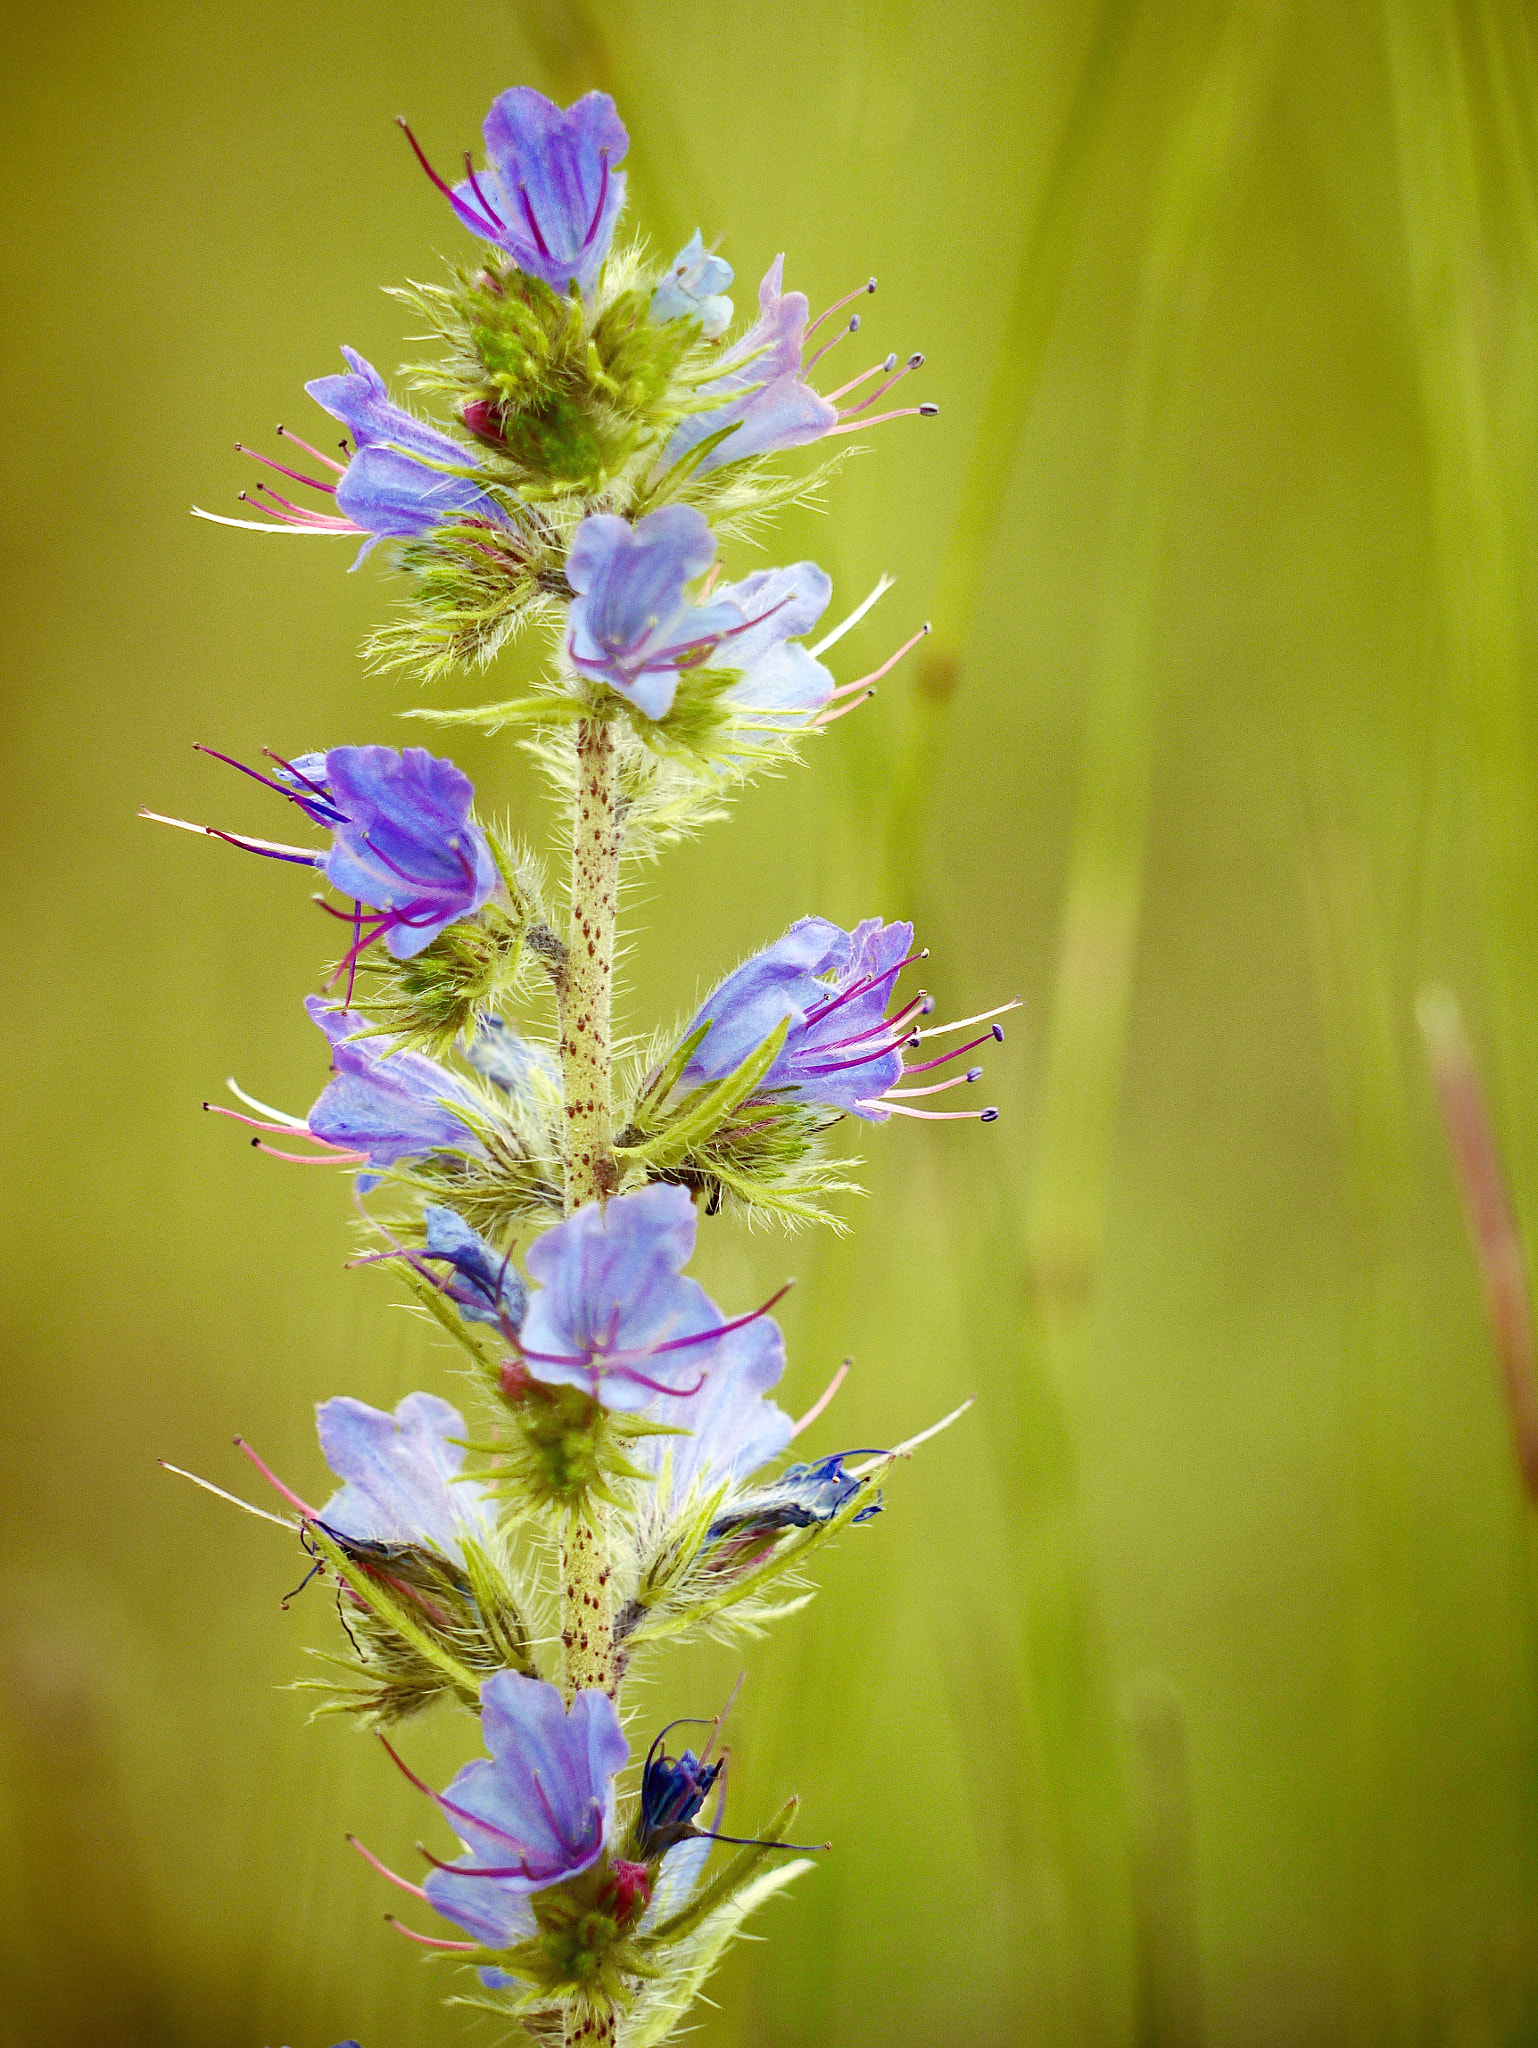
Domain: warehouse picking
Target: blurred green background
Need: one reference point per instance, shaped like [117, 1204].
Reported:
[1186, 1693]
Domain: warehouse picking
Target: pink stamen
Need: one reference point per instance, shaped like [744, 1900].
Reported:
[935, 1087]
[458, 1870]
[282, 468]
[461, 1948]
[820, 1405]
[887, 666]
[257, 1124]
[914, 362]
[832, 713]
[851, 326]
[926, 411]
[337, 1158]
[894, 1023]
[385, 1871]
[277, 497]
[272, 1479]
[288, 434]
[297, 515]
[854, 383]
[838, 305]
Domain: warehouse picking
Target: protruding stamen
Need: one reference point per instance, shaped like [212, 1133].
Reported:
[820, 1405]
[914, 362]
[838, 305]
[887, 666]
[851, 326]
[460, 1948]
[944, 1058]
[936, 1116]
[935, 1087]
[926, 411]
[288, 434]
[966, 1023]
[276, 1483]
[882, 369]
[863, 986]
[283, 469]
[831, 713]
[446, 190]
[385, 1871]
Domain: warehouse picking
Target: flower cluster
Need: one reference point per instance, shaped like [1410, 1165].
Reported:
[606, 439]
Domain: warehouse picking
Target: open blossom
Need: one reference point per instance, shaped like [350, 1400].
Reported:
[401, 480]
[612, 1313]
[694, 288]
[537, 1810]
[401, 1476]
[733, 1429]
[550, 195]
[634, 627]
[402, 839]
[843, 1049]
[762, 388]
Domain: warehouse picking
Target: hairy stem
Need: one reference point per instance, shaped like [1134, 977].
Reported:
[587, 1622]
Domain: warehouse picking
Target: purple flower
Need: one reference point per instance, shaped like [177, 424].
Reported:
[843, 1051]
[550, 195]
[382, 1105]
[403, 480]
[402, 841]
[763, 390]
[538, 1810]
[401, 1475]
[612, 1314]
[484, 1284]
[633, 627]
[694, 289]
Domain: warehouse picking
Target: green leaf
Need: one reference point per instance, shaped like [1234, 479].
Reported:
[707, 1109]
[389, 1611]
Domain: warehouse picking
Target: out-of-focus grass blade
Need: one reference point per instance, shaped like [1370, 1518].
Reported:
[1023, 333]
[1201, 175]
[1169, 2010]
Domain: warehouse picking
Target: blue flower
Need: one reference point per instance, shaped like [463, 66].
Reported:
[401, 1475]
[538, 1810]
[382, 1105]
[612, 1314]
[550, 195]
[633, 627]
[396, 486]
[694, 289]
[485, 1285]
[842, 1051]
